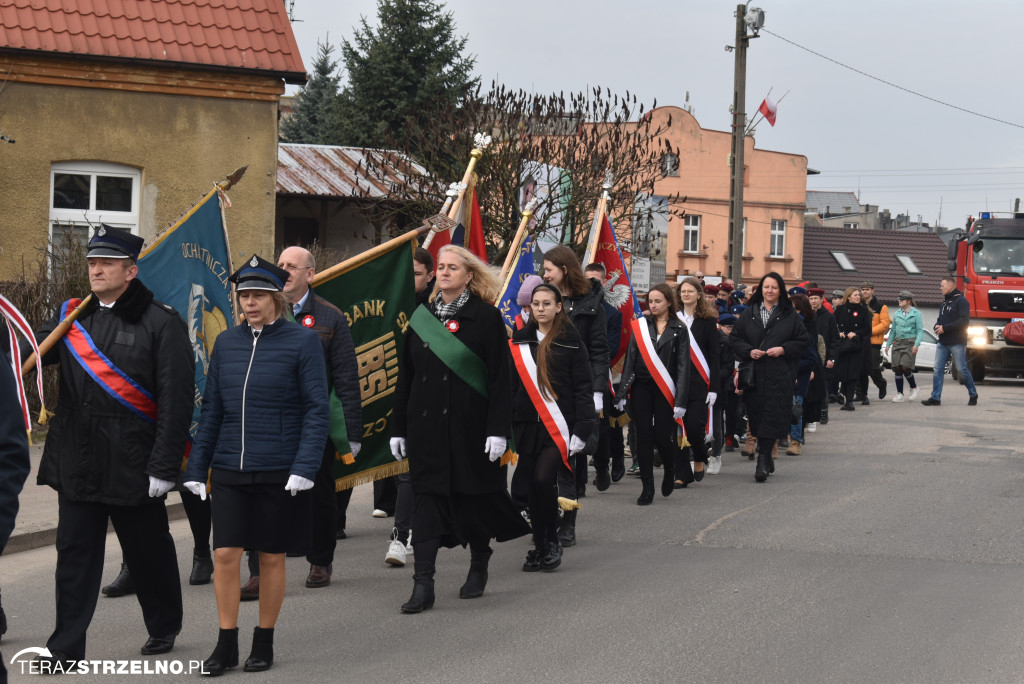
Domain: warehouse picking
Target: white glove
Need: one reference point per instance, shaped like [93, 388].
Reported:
[576, 445]
[297, 483]
[158, 488]
[598, 402]
[712, 398]
[197, 488]
[397, 448]
[678, 413]
[495, 447]
[355, 447]
[620, 405]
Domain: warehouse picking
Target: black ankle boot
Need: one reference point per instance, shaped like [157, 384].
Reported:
[668, 482]
[202, 569]
[225, 654]
[422, 590]
[647, 493]
[552, 557]
[763, 465]
[476, 580]
[567, 531]
[262, 655]
[122, 584]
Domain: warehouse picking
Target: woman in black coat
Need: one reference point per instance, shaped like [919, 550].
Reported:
[654, 417]
[701, 318]
[452, 414]
[551, 365]
[854, 322]
[771, 336]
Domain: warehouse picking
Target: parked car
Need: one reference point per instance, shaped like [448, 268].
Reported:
[925, 352]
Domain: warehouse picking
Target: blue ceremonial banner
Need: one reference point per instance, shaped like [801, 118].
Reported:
[187, 267]
[517, 273]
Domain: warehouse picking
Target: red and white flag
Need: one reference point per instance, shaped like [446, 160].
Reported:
[769, 109]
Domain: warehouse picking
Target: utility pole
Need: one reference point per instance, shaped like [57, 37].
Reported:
[754, 18]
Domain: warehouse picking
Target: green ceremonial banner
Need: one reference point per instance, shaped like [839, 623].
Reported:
[377, 297]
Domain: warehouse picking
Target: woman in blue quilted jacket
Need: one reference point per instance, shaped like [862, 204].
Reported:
[261, 438]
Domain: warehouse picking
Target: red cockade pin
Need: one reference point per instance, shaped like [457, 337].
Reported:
[308, 321]
[453, 326]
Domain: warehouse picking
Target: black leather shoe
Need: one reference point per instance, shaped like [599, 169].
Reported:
[567, 530]
[763, 461]
[122, 584]
[158, 645]
[647, 493]
[552, 557]
[532, 562]
[251, 589]
[865, 402]
[931, 402]
[202, 569]
[602, 480]
[698, 475]
[667, 482]
[224, 656]
[882, 390]
[973, 401]
[58, 662]
[422, 590]
[618, 471]
[848, 407]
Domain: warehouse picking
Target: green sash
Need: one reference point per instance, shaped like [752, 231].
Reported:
[452, 351]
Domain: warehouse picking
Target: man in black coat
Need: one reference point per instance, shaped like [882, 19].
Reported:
[114, 449]
[829, 331]
[331, 325]
[951, 327]
[610, 447]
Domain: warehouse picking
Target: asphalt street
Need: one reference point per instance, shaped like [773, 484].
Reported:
[892, 550]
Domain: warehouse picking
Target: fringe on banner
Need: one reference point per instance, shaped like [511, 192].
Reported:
[510, 458]
[619, 421]
[568, 504]
[367, 476]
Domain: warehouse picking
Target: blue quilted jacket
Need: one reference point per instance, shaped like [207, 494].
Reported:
[266, 405]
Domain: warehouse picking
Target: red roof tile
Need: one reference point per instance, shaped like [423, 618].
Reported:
[233, 34]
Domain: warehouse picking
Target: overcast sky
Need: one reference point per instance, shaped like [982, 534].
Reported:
[893, 149]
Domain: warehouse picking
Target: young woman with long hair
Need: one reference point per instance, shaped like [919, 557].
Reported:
[771, 337]
[582, 300]
[656, 379]
[854, 322]
[701, 319]
[552, 414]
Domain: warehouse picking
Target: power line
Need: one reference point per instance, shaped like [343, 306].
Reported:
[891, 84]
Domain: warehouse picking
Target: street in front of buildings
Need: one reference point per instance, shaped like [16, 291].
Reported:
[891, 550]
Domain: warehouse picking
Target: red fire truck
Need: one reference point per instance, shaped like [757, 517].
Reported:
[988, 262]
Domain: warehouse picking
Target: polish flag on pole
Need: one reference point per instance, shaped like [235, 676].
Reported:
[769, 109]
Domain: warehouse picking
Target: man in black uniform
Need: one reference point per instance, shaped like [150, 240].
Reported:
[115, 445]
[331, 325]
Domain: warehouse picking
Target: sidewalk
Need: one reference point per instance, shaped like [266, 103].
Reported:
[36, 524]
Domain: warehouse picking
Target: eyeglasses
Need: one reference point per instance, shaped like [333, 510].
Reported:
[296, 269]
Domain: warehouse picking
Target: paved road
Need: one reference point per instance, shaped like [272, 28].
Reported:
[891, 551]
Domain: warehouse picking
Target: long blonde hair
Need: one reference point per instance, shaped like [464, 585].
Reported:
[484, 283]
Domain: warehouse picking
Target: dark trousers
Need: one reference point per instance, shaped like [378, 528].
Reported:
[384, 495]
[653, 424]
[696, 423]
[325, 511]
[148, 550]
[873, 371]
[404, 503]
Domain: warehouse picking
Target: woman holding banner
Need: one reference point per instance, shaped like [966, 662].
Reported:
[656, 378]
[552, 413]
[701, 320]
[452, 410]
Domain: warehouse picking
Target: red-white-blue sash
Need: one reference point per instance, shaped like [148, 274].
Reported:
[547, 409]
[16, 321]
[701, 364]
[658, 371]
[112, 379]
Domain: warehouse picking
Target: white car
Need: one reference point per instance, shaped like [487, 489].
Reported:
[925, 352]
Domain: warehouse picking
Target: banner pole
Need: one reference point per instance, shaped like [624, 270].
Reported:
[368, 255]
[456, 205]
[54, 337]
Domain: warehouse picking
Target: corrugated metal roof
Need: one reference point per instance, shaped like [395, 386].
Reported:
[240, 34]
[835, 202]
[873, 254]
[331, 171]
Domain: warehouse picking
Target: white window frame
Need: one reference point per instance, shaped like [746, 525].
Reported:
[82, 219]
[907, 262]
[778, 230]
[850, 225]
[691, 233]
[842, 259]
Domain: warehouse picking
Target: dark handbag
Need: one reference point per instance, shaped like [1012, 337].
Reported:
[745, 376]
[798, 412]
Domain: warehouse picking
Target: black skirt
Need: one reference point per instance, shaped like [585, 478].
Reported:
[254, 511]
[460, 518]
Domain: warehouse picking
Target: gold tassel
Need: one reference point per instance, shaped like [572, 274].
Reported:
[44, 415]
[568, 504]
[29, 437]
[683, 442]
[510, 458]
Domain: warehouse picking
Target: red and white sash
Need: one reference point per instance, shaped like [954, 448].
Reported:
[15, 320]
[701, 364]
[547, 409]
[662, 378]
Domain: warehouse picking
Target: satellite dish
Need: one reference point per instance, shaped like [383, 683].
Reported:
[754, 18]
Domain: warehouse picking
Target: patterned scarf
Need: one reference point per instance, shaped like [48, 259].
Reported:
[446, 312]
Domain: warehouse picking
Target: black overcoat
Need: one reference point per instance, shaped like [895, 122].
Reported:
[587, 313]
[849, 355]
[445, 422]
[769, 404]
[705, 332]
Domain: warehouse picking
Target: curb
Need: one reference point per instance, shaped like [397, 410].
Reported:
[26, 541]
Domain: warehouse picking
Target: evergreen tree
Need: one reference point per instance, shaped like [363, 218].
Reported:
[314, 119]
[412, 64]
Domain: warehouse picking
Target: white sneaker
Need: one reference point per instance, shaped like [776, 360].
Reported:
[899, 398]
[377, 513]
[714, 465]
[913, 393]
[396, 554]
[811, 427]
